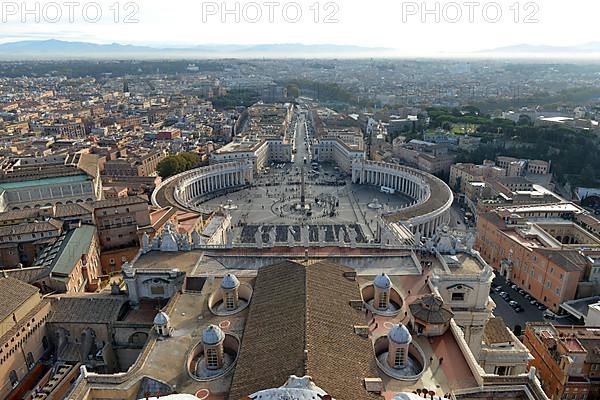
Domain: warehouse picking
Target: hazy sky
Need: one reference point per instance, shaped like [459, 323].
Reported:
[374, 23]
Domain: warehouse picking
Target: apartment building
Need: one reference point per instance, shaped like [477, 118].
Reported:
[520, 167]
[462, 174]
[117, 221]
[542, 256]
[433, 158]
[72, 262]
[566, 358]
[21, 244]
[142, 163]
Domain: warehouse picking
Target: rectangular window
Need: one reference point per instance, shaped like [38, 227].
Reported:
[212, 359]
[157, 290]
[383, 300]
[458, 296]
[229, 303]
[399, 358]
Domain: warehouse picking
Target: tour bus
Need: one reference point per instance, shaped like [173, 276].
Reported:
[385, 189]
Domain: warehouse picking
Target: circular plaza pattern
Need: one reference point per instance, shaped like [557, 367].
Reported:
[277, 203]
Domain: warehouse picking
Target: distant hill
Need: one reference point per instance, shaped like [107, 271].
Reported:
[57, 49]
[592, 47]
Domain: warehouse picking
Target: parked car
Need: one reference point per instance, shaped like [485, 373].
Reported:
[522, 292]
[542, 307]
[519, 309]
[513, 303]
[528, 296]
[498, 289]
[504, 295]
[533, 303]
[549, 315]
[514, 287]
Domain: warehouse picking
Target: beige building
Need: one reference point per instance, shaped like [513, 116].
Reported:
[502, 353]
[23, 316]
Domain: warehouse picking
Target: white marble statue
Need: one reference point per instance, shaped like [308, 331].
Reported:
[272, 236]
[258, 239]
[342, 236]
[353, 235]
[290, 236]
[322, 234]
[168, 241]
[196, 240]
[146, 243]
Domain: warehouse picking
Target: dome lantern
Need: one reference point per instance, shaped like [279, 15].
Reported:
[212, 339]
[229, 287]
[383, 286]
[399, 339]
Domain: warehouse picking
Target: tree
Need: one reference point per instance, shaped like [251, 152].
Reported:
[168, 167]
[293, 91]
[177, 164]
[524, 120]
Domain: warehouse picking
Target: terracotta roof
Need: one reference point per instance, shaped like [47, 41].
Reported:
[121, 201]
[71, 210]
[28, 275]
[31, 227]
[496, 332]
[295, 308]
[431, 309]
[19, 214]
[13, 293]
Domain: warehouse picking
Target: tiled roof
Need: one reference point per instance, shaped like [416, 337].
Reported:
[569, 260]
[431, 309]
[296, 308]
[28, 275]
[121, 201]
[86, 309]
[32, 227]
[13, 293]
[70, 210]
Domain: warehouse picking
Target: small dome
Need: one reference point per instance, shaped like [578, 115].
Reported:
[400, 335]
[161, 319]
[382, 281]
[230, 282]
[212, 335]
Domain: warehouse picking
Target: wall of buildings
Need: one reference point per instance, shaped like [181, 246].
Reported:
[22, 342]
